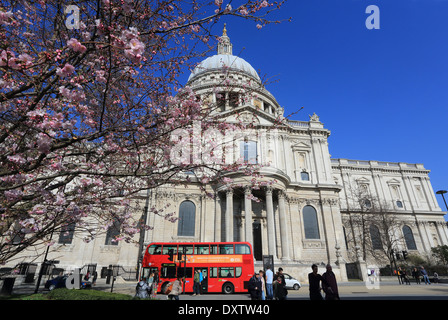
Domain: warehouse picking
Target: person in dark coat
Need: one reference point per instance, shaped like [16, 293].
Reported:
[330, 285]
[314, 280]
[280, 291]
[255, 287]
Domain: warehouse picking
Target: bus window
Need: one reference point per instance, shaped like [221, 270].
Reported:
[146, 272]
[188, 248]
[168, 271]
[213, 249]
[201, 249]
[238, 272]
[213, 272]
[188, 273]
[166, 249]
[226, 249]
[242, 249]
[155, 249]
[225, 272]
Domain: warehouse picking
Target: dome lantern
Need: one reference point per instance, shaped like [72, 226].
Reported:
[224, 45]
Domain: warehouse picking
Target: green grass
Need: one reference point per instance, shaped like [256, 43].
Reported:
[71, 294]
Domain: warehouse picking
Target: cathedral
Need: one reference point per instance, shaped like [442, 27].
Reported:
[307, 215]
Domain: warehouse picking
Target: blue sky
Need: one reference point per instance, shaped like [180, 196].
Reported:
[382, 93]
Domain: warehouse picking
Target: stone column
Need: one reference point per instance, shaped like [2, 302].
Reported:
[248, 211]
[283, 226]
[270, 222]
[229, 215]
[218, 217]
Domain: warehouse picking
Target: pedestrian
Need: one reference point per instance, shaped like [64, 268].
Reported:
[425, 275]
[142, 289]
[176, 289]
[151, 282]
[314, 280]
[254, 287]
[263, 285]
[201, 278]
[436, 277]
[330, 285]
[416, 275]
[155, 285]
[95, 276]
[196, 283]
[269, 280]
[280, 291]
[404, 277]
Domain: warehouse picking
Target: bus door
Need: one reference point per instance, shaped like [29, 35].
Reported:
[204, 283]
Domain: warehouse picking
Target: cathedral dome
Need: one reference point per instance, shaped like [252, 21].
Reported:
[224, 60]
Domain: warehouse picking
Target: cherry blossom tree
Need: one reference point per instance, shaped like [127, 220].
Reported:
[89, 97]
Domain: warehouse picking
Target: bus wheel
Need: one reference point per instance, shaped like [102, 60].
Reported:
[228, 288]
[164, 287]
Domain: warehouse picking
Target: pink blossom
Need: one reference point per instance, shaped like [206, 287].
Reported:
[5, 17]
[135, 51]
[75, 45]
[67, 70]
[7, 58]
[100, 76]
[227, 180]
[26, 59]
[43, 143]
[17, 159]
[243, 11]
[259, 26]
[12, 195]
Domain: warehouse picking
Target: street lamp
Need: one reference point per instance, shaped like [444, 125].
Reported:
[442, 192]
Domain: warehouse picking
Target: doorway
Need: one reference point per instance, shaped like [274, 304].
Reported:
[257, 245]
[204, 283]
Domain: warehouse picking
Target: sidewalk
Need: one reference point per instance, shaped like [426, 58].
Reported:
[350, 288]
[346, 289]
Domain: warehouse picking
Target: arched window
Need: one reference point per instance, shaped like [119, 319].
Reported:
[248, 152]
[305, 176]
[187, 215]
[310, 223]
[113, 232]
[375, 236]
[409, 238]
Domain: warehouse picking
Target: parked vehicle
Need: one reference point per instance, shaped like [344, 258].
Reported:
[60, 282]
[55, 283]
[292, 283]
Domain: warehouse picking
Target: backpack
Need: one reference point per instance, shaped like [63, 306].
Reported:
[169, 288]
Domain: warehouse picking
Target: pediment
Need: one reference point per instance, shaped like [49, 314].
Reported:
[301, 145]
[248, 114]
[363, 180]
[393, 181]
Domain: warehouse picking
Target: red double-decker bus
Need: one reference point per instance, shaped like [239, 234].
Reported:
[226, 266]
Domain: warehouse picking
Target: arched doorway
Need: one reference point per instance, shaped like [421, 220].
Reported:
[257, 245]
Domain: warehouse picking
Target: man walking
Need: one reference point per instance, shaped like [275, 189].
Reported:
[330, 285]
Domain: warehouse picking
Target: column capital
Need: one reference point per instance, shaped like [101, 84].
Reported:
[282, 194]
[229, 191]
[269, 190]
[247, 190]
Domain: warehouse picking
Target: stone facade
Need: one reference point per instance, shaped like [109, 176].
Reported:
[300, 219]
